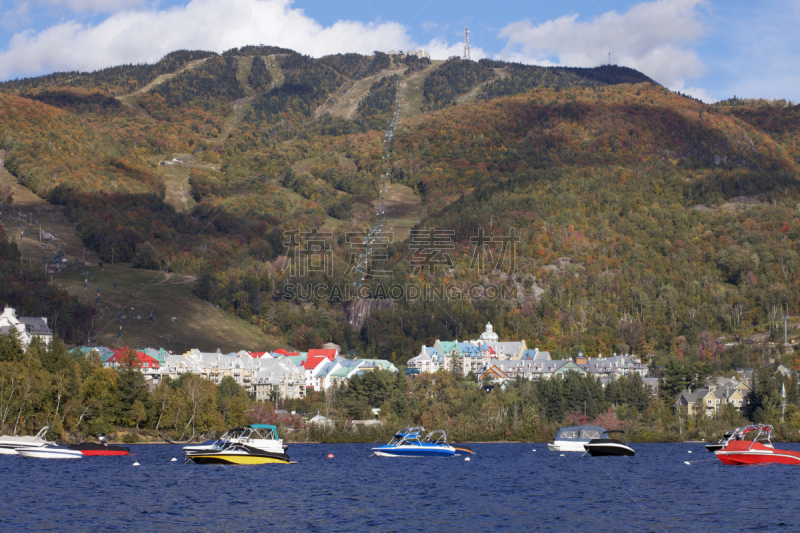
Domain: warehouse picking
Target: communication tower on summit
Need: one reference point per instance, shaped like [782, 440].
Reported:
[466, 43]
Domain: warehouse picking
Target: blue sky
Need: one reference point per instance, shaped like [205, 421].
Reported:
[708, 48]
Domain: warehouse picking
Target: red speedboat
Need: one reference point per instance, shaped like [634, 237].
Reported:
[738, 451]
[90, 448]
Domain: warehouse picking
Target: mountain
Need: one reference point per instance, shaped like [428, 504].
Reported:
[646, 220]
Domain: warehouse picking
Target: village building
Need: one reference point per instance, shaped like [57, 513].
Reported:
[530, 370]
[266, 375]
[465, 357]
[27, 328]
[614, 366]
[286, 379]
[137, 360]
[314, 364]
[716, 393]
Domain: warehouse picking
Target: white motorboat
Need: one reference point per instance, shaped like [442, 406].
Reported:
[573, 438]
[256, 444]
[9, 444]
[409, 443]
[50, 451]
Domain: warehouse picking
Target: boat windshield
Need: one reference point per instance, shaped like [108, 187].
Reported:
[436, 437]
[582, 433]
[407, 437]
[221, 445]
[619, 434]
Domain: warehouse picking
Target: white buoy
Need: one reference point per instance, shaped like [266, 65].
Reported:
[173, 460]
[687, 463]
[466, 458]
[136, 464]
[690, 451]
[534, 449]
[562, 455]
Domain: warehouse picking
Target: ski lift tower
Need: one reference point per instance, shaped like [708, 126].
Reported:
[466, 43]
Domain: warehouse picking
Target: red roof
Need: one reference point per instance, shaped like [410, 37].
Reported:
[329, 353]
[284, 352]
[141, 358]
[256, 355]
[313, 362]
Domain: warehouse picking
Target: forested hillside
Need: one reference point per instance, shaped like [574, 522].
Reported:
[647, 221]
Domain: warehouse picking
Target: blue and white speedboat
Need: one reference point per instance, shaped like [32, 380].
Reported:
[409, 443]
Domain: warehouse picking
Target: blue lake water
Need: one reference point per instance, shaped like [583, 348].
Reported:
[504, 487]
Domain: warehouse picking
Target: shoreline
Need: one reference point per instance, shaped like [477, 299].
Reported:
[464, 442]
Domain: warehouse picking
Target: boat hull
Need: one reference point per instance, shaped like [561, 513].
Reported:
[415, 451]
[47, 452]
[90, 449]
[237, 457]
[567, 446]
[750, 453]
[8, 451]
[608, 448]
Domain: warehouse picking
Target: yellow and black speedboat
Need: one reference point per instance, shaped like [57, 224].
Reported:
[256, 444]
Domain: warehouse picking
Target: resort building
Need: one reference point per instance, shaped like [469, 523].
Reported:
[465, 357]
[27, 328]
[711, 398]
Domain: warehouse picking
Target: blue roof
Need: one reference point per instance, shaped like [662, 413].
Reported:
[469, 349]
[434, 351]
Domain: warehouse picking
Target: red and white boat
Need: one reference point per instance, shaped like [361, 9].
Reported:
[90, 448]
[738, 451]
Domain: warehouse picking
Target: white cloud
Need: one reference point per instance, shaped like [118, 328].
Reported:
[441, 49]
[699, 93]
[13, 18]
[652, 37]
[135, 36]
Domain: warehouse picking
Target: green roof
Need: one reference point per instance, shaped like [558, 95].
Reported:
[341, 372]
[296, 359]
[381, 363]
[570, 366]
[448, 347]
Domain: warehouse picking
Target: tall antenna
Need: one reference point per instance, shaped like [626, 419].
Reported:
[466, 43]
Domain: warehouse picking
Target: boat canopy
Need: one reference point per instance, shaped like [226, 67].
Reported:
[267, 431]
[586, 433]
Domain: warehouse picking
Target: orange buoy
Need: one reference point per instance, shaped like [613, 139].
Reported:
[330, 456]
